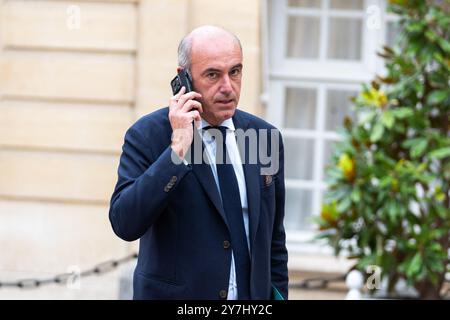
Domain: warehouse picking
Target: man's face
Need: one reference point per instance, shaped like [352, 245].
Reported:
[216, 69]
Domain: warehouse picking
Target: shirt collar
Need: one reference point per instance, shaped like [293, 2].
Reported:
[227, 123]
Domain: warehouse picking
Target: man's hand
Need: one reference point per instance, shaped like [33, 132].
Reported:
[183, 110]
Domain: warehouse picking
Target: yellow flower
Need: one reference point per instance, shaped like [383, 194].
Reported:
[375, 97]
[329, 214]
[347, 165]
[438, 194]
[395, 185]
[382, 99]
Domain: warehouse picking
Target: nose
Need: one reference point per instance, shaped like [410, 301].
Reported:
[225, 86]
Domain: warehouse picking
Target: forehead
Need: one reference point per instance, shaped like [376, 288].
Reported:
[217, 53]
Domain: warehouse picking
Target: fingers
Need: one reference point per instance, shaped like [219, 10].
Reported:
[195, 115]
[188, 96]
[173, 102]
[192, 104]
[179, 94]
[185, 102]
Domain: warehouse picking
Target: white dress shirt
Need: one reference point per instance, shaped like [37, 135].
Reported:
[233, 153]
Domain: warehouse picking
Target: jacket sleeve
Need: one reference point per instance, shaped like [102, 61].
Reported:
[279, 254]
[145, 181]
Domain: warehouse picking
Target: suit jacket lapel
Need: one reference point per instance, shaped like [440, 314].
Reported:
[252, 180]
[202, 171]
[205, 176]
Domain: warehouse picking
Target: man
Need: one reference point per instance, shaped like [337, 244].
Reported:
[208, 229]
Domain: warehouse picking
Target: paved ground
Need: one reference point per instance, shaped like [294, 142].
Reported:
[336, 290]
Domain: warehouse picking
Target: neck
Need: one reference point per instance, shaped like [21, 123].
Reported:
[213, 121]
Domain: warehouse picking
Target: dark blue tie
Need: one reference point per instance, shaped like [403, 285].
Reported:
[231, 201]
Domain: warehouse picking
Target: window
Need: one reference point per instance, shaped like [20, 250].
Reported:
[320, 51]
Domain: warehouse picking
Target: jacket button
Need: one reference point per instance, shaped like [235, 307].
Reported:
[174, 179]
[268, 180]
[226, 244]
[223, 294]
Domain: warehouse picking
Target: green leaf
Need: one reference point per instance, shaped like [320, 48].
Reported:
[334, 173]
[442, 211]
[437, 233]
[344, 205]
[445, 45]
[377, 132]
[366, 261]
[440, 153]
[356, 195]
[392, 211]
[385, 181]
[437, 96]
[367, 117]
[415, 26]
[431, 35]
[419, 148]
[415, 265]
[423, 274]
[388, 119]
[435, 246]
[437, 266]
[402, 112]
[337, 194]
[411, 142]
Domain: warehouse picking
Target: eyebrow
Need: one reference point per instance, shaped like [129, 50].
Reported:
[239, 65]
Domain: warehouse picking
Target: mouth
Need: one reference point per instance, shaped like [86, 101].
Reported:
[225, 102]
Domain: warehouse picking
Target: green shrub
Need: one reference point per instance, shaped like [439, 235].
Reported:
[388, 199]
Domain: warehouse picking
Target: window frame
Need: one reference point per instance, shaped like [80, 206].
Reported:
[283, 67]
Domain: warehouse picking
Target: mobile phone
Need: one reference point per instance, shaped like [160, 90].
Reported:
[182, 79]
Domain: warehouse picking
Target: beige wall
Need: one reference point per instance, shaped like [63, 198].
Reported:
[67, 97]
[163, 23]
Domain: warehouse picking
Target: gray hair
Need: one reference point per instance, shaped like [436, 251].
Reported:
[184, 53]
[185, 46]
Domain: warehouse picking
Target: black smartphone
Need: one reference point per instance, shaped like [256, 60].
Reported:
[182, 79]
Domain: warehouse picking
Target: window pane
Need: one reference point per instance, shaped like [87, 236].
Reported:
[392, 31]
[305, 3]
[300, 111]
[345, 38]
[337, 108]
[303, 37]
[347, 4]
[298, 158]
[298, 209]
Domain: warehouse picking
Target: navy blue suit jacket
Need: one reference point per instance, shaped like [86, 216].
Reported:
[176, 212]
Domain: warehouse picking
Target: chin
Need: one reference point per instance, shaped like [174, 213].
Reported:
[221, 114]
[226, 114]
